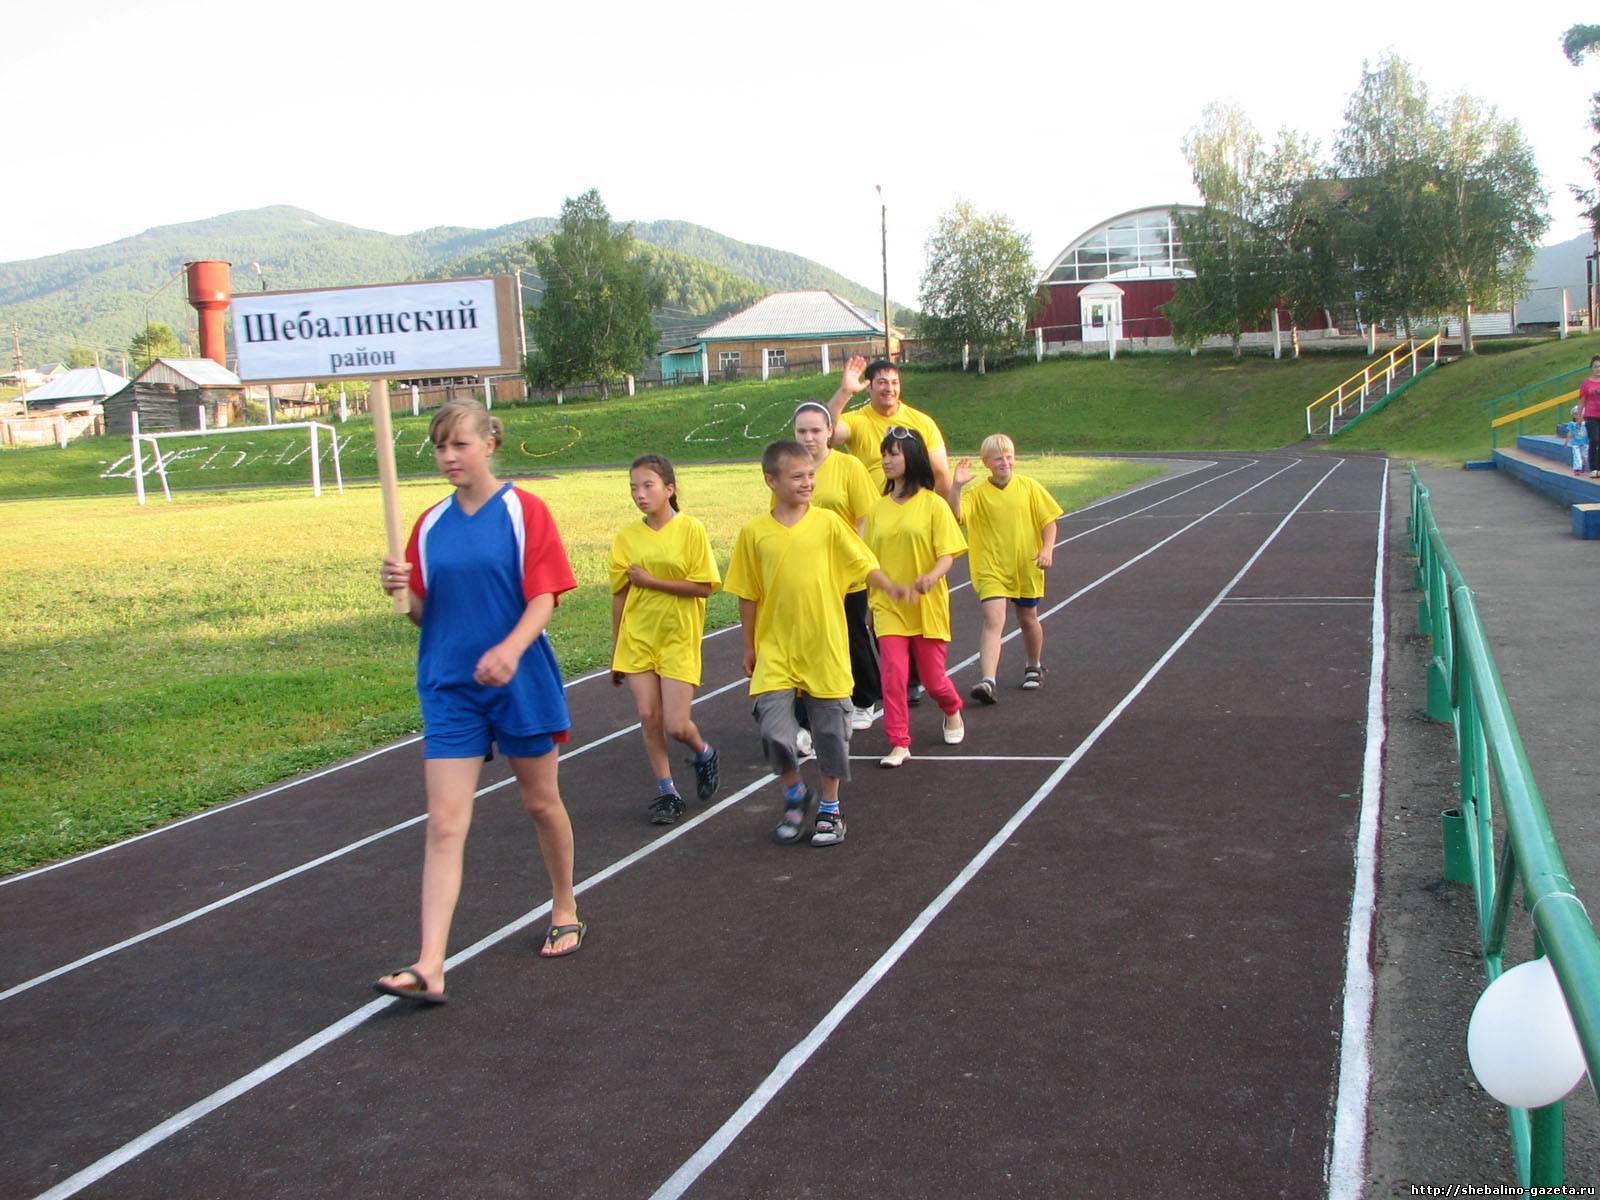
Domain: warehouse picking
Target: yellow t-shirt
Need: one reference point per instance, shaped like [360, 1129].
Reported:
[868, 429]
[907, 538]
[661, 632]
[1003, 527]
[798, 575]
[842, 487]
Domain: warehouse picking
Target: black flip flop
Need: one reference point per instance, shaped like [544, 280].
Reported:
[421, 994]
[557, 932]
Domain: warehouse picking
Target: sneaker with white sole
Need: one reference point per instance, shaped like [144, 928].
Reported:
[803, 743]
[896, 757]
[954, 729]
[829, 829]
[861, 718]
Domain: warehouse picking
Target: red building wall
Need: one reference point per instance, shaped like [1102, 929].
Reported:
[1061, 317]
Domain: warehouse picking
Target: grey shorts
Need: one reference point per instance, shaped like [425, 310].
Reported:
[830, 731]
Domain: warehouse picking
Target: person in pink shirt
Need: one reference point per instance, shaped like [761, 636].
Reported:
[1589, 397]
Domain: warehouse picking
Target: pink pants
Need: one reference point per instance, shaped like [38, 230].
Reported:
[894, 662]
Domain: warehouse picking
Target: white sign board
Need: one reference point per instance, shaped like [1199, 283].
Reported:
[453, 326]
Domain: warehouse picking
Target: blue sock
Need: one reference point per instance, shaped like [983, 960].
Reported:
[666, 786]
[795, 792]
[828, 808]
[701, 756]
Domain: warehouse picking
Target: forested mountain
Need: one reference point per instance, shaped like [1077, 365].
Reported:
[100, 297]
[698, 293]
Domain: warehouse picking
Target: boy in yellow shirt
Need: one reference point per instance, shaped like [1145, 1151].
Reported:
[791, 569]
[1011, 530]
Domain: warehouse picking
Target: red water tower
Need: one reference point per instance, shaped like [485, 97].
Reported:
[210, 290]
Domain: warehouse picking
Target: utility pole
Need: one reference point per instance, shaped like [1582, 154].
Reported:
[16, 353]
[883, 219]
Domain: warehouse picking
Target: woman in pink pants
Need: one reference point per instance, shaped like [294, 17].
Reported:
[915, 536]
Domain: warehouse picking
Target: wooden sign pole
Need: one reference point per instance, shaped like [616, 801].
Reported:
[383, 444]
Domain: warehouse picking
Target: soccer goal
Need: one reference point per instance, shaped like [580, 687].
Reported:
[159, 466]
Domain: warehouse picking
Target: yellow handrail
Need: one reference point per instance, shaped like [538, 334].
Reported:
[1384, 364]
[1531, 409]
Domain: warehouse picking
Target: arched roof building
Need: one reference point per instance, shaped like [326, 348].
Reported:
[1114, 278]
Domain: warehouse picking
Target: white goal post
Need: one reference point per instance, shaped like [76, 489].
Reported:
[160, 468]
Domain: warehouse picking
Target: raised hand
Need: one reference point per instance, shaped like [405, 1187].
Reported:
[853, 367]
[963, 475]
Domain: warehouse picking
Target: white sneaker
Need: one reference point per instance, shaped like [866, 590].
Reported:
[802, 743]
[861, 718]
[954, 730]
[896, 757]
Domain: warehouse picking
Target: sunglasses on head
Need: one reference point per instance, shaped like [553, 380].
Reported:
[899, 432]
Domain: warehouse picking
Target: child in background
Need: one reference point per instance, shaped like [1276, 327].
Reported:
[791, 569]
[1578, 441]
[661, 573]
[1011, 524]
[483, 570]
[914, 535]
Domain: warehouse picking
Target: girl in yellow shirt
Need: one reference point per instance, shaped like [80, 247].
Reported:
[914, 536]
[661, 573]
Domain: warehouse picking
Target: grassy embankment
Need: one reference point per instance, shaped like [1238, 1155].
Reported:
[1443, 418]
[1139, 403]
[163, 659]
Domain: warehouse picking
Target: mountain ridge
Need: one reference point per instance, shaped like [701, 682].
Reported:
[98, 297]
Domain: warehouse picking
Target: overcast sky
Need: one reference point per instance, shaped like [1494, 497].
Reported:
[769, 123]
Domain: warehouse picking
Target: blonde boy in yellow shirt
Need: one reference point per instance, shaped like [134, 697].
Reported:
[791, 569]
[1011, 531]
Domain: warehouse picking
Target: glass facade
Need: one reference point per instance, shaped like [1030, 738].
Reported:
[1141, 245]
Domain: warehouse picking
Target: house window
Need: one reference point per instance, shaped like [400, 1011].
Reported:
[775, 358]
[726, 359]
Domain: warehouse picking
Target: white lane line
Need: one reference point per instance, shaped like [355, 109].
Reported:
[302, 868]
[788, 1066]
[1166, 499]
[411, 741]
[262, 795]
[949, 758]
[1347, 1168]
[153, 1137]
[332, 855]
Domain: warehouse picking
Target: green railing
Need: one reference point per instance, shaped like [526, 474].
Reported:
[1464, 688]
[1527, 397]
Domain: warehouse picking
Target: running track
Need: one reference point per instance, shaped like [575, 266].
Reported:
[1097, 950]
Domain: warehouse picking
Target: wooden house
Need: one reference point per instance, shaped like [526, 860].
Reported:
[170, 393]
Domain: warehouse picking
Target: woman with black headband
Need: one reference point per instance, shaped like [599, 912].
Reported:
[844, 487]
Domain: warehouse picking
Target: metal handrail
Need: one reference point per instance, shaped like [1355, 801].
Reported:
[1464, 688]
[1383, 366]
[1519, 399]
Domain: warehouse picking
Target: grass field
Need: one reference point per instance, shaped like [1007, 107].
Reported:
[1140, 402]
[167, 658]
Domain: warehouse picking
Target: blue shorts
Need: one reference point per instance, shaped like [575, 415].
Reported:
[1019, 601]
[454, 727]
